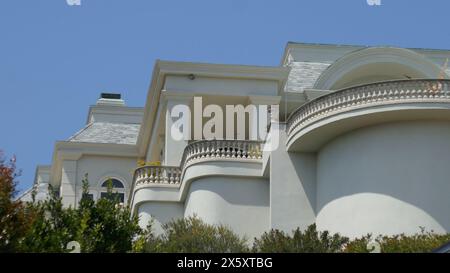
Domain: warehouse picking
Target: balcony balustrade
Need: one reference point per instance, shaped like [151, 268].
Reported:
[197, 151]
[383, 93]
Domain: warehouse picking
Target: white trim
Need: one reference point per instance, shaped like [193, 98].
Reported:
[349, 62]
[166, 68]
[66, 150]
[113, 110]
[103, 179]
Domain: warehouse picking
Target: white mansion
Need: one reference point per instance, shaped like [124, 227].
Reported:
[364, 145]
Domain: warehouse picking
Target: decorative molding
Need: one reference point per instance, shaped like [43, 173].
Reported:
[364, 96]
[66, 150]
[264, 100]
[167, 95]
[196, 152]
[165, 68]
[372, 55]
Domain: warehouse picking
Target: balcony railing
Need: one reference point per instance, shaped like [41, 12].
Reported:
[158, 175]
[222, 149]
[383, 93]
[239, 150]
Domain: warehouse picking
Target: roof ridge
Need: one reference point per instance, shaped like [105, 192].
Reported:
[80, 131]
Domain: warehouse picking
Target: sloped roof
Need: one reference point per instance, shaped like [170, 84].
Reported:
[26, 195]
[105, 132]
[304, 75]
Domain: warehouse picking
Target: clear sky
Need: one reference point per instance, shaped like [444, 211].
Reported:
[55, 59]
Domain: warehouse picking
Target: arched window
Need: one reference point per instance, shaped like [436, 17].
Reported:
[118, 190]
[116, 184]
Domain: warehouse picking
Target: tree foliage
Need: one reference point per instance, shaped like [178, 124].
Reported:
[15, 218]
[102, 226]
[108, 226]
[192, 235]
[308, 241]
[422, 242]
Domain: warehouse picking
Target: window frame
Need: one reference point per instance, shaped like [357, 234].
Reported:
[123, 190]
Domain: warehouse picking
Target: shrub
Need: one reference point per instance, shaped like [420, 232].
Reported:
[309, 241]
[419, 243]
[359, 245]
[147, 241]
[192, 235]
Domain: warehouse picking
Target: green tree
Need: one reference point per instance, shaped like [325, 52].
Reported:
[104, 226]
[53, 226]
[15, 218]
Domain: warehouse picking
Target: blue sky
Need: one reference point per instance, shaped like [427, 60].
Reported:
[55, 59]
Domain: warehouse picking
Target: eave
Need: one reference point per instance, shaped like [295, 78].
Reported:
[164, 68]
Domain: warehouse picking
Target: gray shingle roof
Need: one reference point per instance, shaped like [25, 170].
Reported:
[304, 75]
[104, 132]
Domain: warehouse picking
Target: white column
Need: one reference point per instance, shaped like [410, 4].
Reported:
[292, 187]
[68, 183]
[174, 146]
[254, 130]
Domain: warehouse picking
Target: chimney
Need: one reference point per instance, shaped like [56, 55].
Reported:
[112, 99]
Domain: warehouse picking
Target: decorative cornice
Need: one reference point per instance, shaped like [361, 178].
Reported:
[264, 100]
[365, 96]
[164, 68]
[224, 70]
[371, 55]
[167, 95]
[67, 150]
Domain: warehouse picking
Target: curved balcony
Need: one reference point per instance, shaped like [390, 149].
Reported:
[221, 150]
[157, 175]
[196, 152]
[318, 121]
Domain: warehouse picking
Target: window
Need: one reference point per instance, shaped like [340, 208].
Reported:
[118, 190]
[88, 196]
[116, 184]
[113, 196]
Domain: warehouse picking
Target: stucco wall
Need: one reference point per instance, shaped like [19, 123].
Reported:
[159, 213]
[391, 178]
[100, 168]
[240, 203]
[292, 188]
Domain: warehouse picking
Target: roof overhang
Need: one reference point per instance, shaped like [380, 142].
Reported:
[40, 169]
[162, 69]
[66, 150]
[332, 52]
